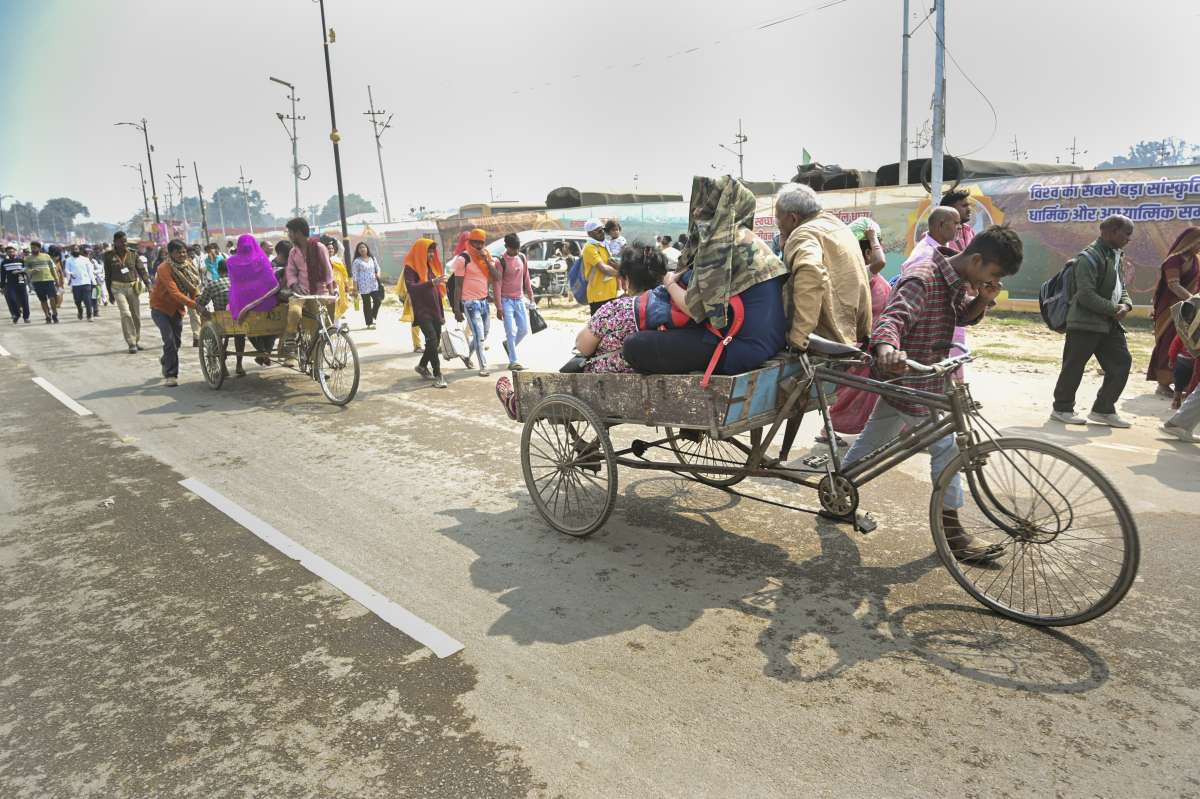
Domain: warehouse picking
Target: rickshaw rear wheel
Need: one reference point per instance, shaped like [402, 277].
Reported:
[212, 359]
[697, 448]
[569, 465]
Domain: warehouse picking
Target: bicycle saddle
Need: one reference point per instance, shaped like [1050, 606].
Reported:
[831, 349]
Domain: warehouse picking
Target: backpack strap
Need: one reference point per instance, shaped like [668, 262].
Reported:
[739, 318]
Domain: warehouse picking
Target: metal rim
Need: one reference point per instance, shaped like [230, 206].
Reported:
[697, 448]
[212, 362]
[569, 465]
[336, 367]
[1069, 542]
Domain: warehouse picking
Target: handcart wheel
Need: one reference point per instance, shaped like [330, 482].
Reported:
[569, 465]
[212, 359]
[1068, 542]
[697, 448]
[336, 367]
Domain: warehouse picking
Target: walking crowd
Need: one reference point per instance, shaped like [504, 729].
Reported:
[716, 301]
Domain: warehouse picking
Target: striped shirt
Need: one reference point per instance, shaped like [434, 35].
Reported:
[927, 303]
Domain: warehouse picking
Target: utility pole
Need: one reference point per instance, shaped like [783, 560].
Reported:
[203, 213]
[221, 216]
[1075, 151]
[491, 184]
[939, 105]
[902, 172]
[246, 197]
[739, 140]
[145, 201]
[298, 169]
[1017, 152]
[379, 129]
[329, 37]
[149, 162]
[178, 178]
[170, 197]
[635, 183]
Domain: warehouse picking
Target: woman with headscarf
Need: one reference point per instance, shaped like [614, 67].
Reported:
[425, 281]
[1179, 280]
[345, 286]
[475, 269]
[252, 287]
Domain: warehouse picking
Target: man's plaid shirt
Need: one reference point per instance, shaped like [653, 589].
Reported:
[925, 306]
[216, 292]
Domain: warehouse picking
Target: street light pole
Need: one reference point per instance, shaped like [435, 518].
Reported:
[246, 197]
[328, 37]
[145, 200]
[379, 129]
[292, 135]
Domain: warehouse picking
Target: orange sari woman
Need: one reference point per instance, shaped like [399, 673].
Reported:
[1179, 280]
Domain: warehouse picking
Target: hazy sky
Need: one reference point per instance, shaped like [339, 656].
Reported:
[557, 93]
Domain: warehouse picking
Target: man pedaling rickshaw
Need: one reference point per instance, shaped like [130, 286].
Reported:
[308, 272]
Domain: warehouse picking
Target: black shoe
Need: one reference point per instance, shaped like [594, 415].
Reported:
[81, 316]
[56, 319]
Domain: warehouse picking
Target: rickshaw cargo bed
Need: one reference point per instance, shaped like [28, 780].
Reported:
[729, 405]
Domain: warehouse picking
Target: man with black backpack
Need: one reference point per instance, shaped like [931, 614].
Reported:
[1099, 302]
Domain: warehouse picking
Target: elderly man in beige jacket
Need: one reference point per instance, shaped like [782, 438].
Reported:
[829, 292]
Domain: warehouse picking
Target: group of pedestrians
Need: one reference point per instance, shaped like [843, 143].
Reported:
[471, 284]
[47, 274]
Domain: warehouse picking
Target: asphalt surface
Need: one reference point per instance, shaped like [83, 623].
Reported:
[698, 645]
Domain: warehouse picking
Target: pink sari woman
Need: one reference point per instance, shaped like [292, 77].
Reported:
[1179, 280]
[252, 283]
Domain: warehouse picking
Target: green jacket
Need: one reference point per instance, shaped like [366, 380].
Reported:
[1095, 278]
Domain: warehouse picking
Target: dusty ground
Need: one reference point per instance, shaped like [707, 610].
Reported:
[699, 645]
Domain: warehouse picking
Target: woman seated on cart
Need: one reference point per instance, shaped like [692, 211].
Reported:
[252, 288]
[726, 300]
[600, 343]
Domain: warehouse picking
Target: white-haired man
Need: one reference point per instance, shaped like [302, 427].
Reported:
[829, 292]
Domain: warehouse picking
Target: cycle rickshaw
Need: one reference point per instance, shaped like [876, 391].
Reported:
[324, 351]
[1069, 542]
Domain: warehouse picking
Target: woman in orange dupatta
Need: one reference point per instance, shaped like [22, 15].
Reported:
[1180, 279]
[425, 281]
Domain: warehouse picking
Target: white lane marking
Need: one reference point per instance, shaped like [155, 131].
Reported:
[55, 392]
[1123, 447]
[406, 622]
[4, 353]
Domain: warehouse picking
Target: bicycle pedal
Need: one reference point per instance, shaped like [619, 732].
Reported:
[815, 461]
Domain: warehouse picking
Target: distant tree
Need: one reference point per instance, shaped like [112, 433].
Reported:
[354, 205]
[22, 217]
[1163, 152]
[230, 201]
[57, 216]
[95, 232]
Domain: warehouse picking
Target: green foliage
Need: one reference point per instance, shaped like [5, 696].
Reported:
[355, 204]
[1162, 152]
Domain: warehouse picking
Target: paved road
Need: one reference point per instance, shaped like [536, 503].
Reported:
[697, 646]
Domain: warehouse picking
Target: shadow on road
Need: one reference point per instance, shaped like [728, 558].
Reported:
[664, 560]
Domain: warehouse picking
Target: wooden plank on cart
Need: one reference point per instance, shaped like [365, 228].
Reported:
[257, 323]
[730, 403]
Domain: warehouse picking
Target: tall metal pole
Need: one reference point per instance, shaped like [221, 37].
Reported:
[246, 197]
[334, 136]
[903, 171]
[939, 104]
[741, 138]
[178, 178]
[142, 180]
[203, 213]
[296, 210]
[221, 214]
[379, 129]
